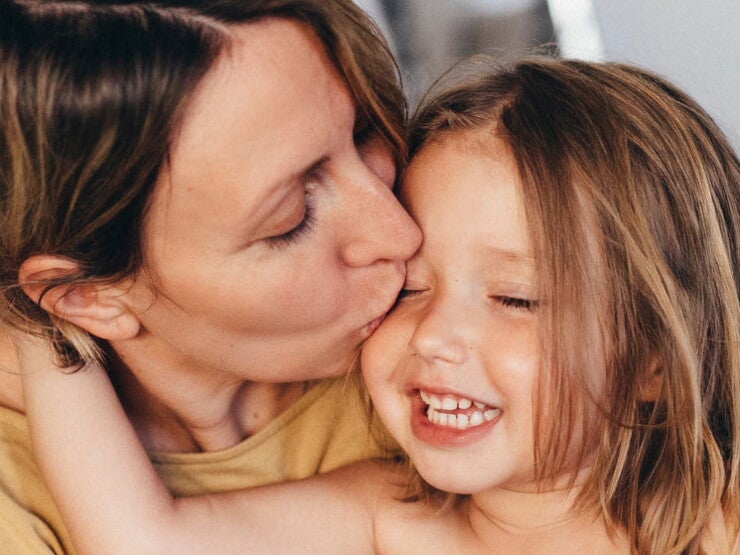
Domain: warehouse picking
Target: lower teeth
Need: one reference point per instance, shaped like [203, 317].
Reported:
[461, 421]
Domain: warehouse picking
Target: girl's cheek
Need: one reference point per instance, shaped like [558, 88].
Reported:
[385, 349]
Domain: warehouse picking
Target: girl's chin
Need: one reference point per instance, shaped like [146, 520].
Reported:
[461, 483]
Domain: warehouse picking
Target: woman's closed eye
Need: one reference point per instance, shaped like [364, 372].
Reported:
[304, 227]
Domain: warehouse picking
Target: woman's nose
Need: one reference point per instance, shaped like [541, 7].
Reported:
[440, 334]
[378, 228]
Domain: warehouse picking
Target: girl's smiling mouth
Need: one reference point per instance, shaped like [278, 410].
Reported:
[447, 419]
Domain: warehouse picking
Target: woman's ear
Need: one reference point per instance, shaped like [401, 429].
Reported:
[100, 309]
[652, 381]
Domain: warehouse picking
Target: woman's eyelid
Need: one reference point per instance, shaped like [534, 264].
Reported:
[305, 225]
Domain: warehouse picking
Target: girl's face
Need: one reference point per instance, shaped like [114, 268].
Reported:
[273, 241]
[452, 368]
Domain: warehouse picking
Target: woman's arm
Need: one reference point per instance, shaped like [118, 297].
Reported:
[114, 502]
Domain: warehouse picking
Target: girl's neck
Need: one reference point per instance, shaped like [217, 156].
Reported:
[11, 389]
[178, 409]
[527, 521]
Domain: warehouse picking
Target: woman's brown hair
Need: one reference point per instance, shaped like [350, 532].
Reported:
[632, 195]
[91, 93]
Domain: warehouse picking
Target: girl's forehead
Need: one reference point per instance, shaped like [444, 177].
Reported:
[449, 162]
[467, 201]
[483, 142]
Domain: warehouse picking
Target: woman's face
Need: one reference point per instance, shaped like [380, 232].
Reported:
[273, 242]
[452, 369]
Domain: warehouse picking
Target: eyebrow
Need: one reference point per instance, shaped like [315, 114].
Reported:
[282, 187]
[510, 255]
[297, 176]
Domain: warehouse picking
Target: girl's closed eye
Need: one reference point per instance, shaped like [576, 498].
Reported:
[516, 303]
[409, 290]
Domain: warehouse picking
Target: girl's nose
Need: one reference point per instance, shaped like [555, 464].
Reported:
[440, 334]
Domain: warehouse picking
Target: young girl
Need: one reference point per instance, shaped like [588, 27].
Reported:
[564, 355]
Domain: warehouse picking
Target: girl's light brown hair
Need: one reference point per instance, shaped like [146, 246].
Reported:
[632, 196]
[91, 93]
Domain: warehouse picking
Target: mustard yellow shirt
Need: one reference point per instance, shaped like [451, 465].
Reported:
[325, 429]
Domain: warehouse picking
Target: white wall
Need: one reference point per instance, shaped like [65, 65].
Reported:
[375, 9]
[694, 43]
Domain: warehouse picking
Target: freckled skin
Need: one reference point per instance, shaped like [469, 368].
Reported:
[467, 326]
[454, 331]
[230, 306]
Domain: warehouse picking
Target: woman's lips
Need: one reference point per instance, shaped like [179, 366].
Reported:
[373, 325]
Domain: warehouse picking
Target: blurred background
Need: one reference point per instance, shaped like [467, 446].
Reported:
[694, 43]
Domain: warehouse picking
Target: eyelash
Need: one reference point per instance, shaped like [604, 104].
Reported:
[363, 132]
[516, 303]
[403, 293]
[303, 228]
[509, 302]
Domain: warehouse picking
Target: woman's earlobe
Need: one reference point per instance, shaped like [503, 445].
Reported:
[100, 309]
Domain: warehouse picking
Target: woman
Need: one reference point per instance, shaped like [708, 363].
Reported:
[201, 192]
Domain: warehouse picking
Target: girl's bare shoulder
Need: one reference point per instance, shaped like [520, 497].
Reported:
[373, 478]
[420, 527]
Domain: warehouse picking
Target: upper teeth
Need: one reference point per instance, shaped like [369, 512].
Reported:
[461, 421]
[484, 412]
[449, 402]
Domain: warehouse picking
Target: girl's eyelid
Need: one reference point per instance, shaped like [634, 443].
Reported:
[414, 285]
[411, 289]
[511, 287]
[520, 296]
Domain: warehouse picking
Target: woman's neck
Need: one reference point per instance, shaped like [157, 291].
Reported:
[173, 408]
[527, 521]
[179, 409]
